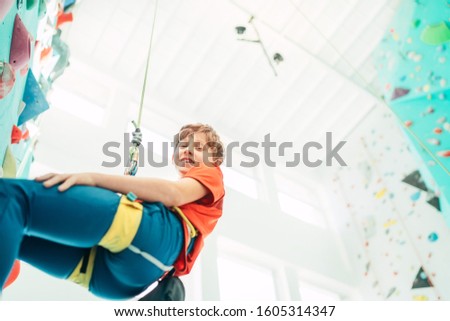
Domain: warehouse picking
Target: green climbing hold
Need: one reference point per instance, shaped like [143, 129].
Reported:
[436, 34]
[30, 4]
[9, 164]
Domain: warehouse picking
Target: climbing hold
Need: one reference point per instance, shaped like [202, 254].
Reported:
[444, 153]
[447, 126]
[441, 48]
[380, 193]
[433, 237]
[441, 120]
[34, 98]
[13, 274]
[421, 280]
[7, 79]
[9, 164]
[436, 34]
[390, 223]
[16, 135]
[414, 197]
[408, 123]
[437, 130]
[399, 92]
[30, 4]
[5, 6]
[414, 56]
[434, 141]
[20, 45]
[391, 291]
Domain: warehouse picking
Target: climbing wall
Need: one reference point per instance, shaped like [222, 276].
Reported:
[32, 57]
[413, 62]
[402, 246]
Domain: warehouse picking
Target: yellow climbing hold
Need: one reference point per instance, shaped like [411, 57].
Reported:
[389, 223]
[380, 193]
[9, 164]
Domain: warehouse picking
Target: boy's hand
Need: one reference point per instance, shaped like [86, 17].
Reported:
[66, 180]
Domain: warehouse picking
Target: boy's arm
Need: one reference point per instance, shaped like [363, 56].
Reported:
[170, 193]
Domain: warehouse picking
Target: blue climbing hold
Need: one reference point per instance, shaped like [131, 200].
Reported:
[433, 237]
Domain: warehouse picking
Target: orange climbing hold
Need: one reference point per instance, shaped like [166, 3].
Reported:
[13, 274]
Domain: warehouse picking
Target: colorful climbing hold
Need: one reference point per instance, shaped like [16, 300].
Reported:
[5, 7]
[414, 56]
[434, 141]
[444, 153]
[441, 48]
[433, 237]
[7, 79]
[13, 274]
[436, 34]
[20, 45]
[441, 120]
[399, 92]
[380, 193]
[390, 223]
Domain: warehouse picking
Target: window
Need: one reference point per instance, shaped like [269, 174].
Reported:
[239, 280]
[301, 210]
[301, 201]
[240, 182]
[77, 106]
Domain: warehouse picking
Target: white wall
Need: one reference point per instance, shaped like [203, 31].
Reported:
[386, 223]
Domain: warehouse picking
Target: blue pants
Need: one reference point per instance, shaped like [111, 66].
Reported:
[53, 230]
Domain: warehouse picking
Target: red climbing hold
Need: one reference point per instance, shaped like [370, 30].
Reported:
[13, 274]
[444, 153]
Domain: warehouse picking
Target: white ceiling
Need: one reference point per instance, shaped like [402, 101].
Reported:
[199, 71]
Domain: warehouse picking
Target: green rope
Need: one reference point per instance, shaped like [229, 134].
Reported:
[138, 123]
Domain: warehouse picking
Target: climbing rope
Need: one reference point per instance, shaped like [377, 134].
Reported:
[137, 134]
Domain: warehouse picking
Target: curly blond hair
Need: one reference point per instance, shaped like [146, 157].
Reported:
[212, 138]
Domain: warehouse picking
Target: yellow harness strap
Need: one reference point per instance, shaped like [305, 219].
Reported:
[83, 278]
[124, 226]
[192, 231]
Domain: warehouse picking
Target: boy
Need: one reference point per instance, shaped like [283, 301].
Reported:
[111, 244]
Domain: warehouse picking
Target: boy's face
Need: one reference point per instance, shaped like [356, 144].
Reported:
[192, 151]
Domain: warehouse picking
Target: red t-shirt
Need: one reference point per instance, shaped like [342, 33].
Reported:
[203, 213]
